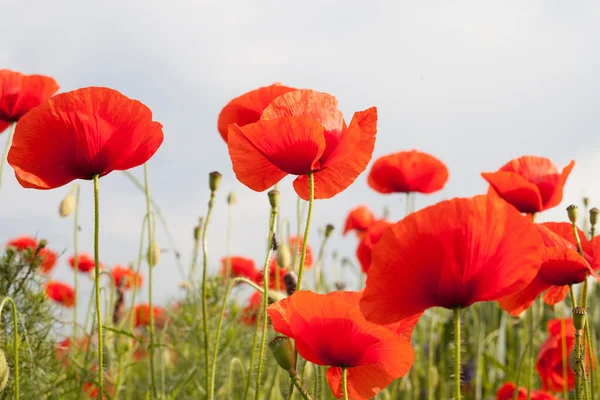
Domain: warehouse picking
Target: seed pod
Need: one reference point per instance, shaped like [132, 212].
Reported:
[284, 256]
[214, 180]
[284, 353]
[572, 213]
[579, 317]
[67, 205]
[154, 258]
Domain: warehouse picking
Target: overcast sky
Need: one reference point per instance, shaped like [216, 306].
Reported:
[474, 84]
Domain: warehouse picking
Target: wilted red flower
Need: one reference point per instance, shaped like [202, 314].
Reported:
[85, 264]
[408, 171]
[531, 184]
[272, 274]
[330, 330]
[240, 266]
[20, 93]
[250, 312]
[303, 132]
[450, 255]
[24, 243]
[368, 241]
[562, 265]
[61, 293]
[247, 108]
[141, 314]
[47, 260]
[80, 134]
[359, 219]
[549, 363]
[507, 392]
[126, 276]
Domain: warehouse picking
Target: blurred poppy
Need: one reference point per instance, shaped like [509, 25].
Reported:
[20, 93]
[250, 312]
[141, 315]
[561, 266]
[63, 349]
[406, 172]
[85, 264]
[531, 184]
[507, 392]
[296, 245]
[303, 132]
[368, 241]
[90, 389]
[80, 134]
[452, 254]
[47, 260]
[359, 219]
[272, 274]
[23, 243]
[549, 363]
[248, 108]
[61, 293]
[126, 277]
[240, 267]
[331, 331]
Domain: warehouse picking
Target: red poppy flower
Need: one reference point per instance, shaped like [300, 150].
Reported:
[4, 125]
[561, 266]
[248, 108]
[80, 134]
[47, 260]
[301, 132]
[296, 244]
[507, 392]
[329, 330]
[61, 293]
[531, 184]
[20, 93]
[141, 314]
[368, 241]
[450, 255]
[24, 243]
[359, 219]
[125, 276]
[86, 263]
[549, 363]
[250, 312]
[272, 274]
[408, 171]
[240, 266]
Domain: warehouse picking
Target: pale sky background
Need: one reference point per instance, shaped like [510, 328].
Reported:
[473, 83]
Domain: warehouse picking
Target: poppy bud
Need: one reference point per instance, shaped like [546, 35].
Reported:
[329, 230]
[284, 255]
[274, 296]
[4, 371]
[214, 180]
[284, 353]
[274, 198]
[290, 280]
[586, 201]
[572, 213]
[67, 205]
[197, 230]
[594, 216]
[579, 317]
[153, 258]
[231, 199]
[42, 243]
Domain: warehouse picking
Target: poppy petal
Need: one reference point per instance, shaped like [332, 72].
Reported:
[516, 190]
[347, 162]
[364, 381]
[4, 125]
[520, 301]
[556, 294]
[20, 93]
[557, 195]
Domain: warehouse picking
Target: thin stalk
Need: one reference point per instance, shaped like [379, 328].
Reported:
[150, 268]
[97, 288]
[518, 378]
[430, 359]
[563, 337]
[138, 268]
[228, 240]
[195, 253]
[311, 200]
[11, 131]
[457, 354]
[344, 383]
[253, 355]
[15, 318]
[590, 347]
[579, 389]
[531, 351]
[294, 248]
[76, 257]
[233, 361]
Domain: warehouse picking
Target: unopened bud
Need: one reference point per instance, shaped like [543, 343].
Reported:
[275, 296]
[4, 371]
[214, 180]
[290, 280]
[231, 199]
[579, 317]
[67, 205]
[572, 213]
[42, 243]
[154, 255]
[284, 256]
[586, 201]
[329, 230]
[197, 231]
[274, 198]
[594, 216]
[284, 353]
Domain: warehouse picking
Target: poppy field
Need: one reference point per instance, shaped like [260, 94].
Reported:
[468, 298]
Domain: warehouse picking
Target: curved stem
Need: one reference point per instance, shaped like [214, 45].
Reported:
[311, 200]
[457, 354]
[11, 131]
[150, 268]
[233, 361]
[531, 355]
[15, 338]
[204, 289]
[76, 257]
[97, 288]
[265, 298]
[344, 383]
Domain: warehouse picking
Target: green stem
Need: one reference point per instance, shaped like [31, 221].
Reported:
[294, 248]
[233, 361]
[578, 367]
[531, 351]
[204, 287]
[565, 360]
[150, 268]
[265, 299]
[311, 200]
[228, 241]
[196, 250]
[252, 355]
[97, 288]
[592, 354]
[15, 338]
[457, 354]
[11, 131]
[76, 257]
[430, 359]
[344, 383]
